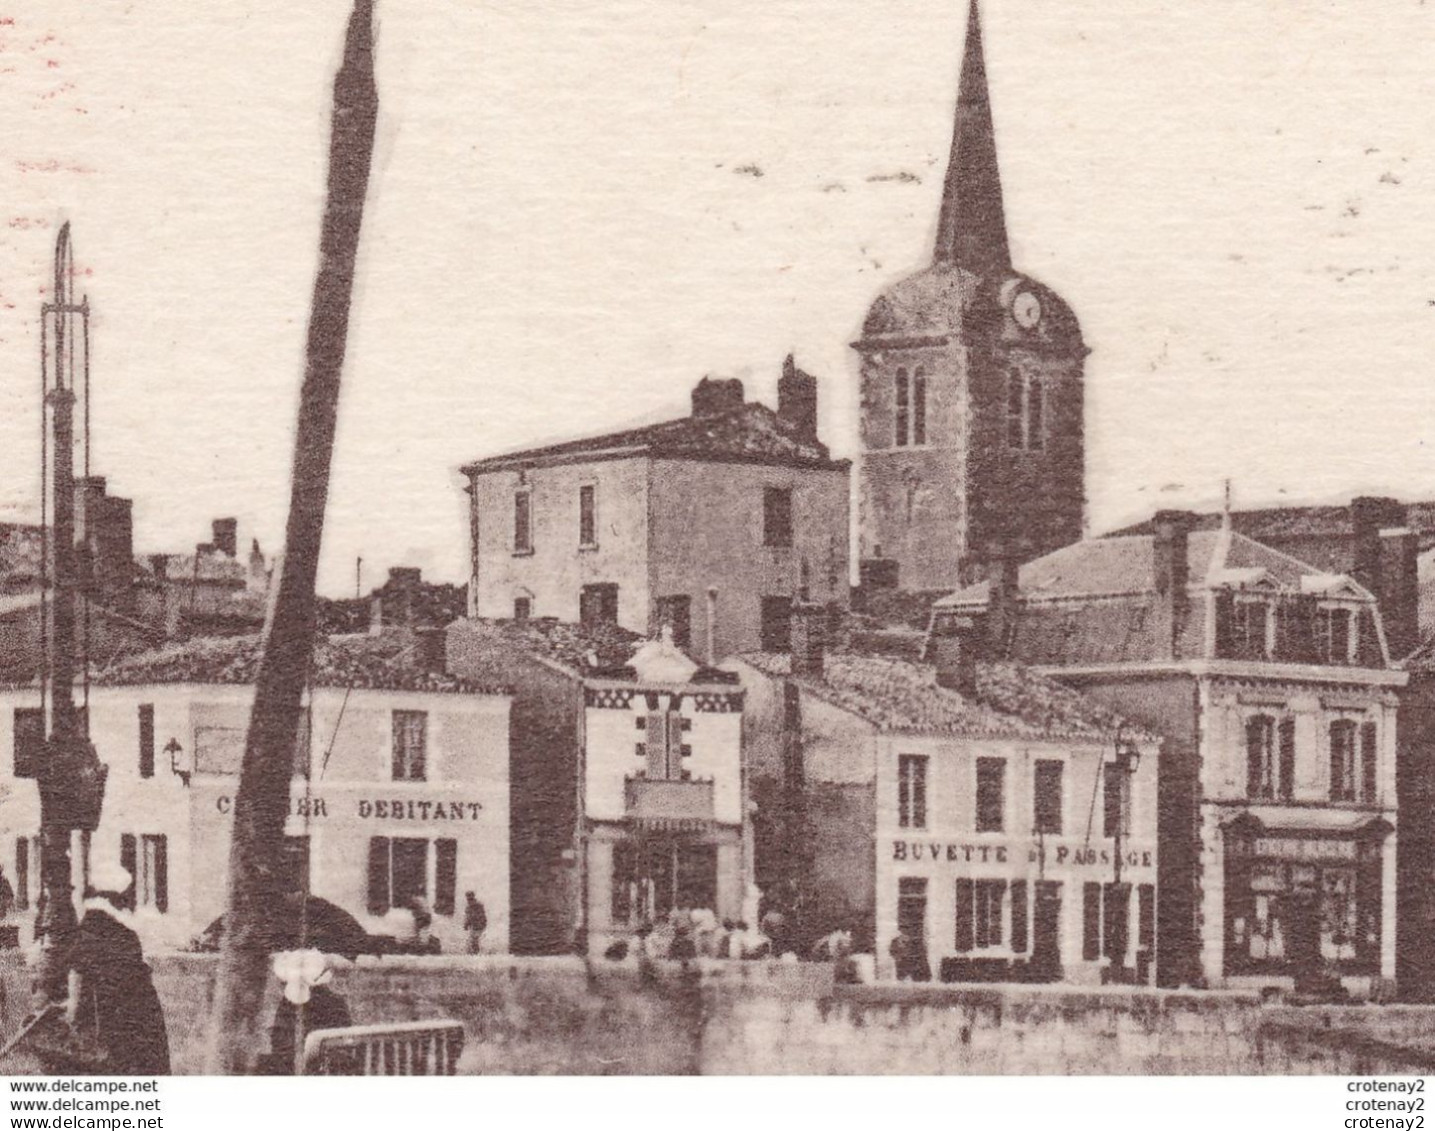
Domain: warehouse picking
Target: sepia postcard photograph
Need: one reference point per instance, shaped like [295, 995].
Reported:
[785, 538]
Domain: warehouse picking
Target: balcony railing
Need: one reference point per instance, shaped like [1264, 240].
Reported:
[690, 799]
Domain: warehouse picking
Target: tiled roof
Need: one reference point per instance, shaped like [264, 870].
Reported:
[582, 649]
[1127, 565]
[382, 662]
[751, 433]
[901, 696]
[1304, 522]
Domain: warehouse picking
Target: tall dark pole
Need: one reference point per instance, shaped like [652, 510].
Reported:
[262, 799]
[70, 777]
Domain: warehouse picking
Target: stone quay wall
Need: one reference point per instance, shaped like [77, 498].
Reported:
[565, 1016]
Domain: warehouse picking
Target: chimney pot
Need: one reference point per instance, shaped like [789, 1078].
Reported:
[954, 648]
[226, 536]
[797, 399]
[808, 639]
[1171, 563]
[1398, 595]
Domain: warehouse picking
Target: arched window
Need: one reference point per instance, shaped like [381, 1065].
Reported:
[919, 406]
[1015, 410]
[903, 407]
[1035, 409]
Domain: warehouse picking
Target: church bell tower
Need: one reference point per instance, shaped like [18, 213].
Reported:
[972, 442]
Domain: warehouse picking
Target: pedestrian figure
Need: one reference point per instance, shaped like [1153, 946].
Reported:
[116, 1006]
[475, 921]
[319, 1007]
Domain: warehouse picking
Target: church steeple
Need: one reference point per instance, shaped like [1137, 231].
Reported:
[971, 232]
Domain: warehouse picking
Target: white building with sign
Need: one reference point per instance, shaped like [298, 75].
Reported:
[399, 794]
[1004, 825]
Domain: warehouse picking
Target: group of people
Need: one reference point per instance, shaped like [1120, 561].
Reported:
[686, 933]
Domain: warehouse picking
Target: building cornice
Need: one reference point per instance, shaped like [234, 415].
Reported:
[1248, 670]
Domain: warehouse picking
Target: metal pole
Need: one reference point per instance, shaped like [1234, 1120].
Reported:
[262, 799]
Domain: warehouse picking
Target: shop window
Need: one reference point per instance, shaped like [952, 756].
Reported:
[410, 760]
[523, 522]
[588, 516]
[1369, 762]
[1046, 802]
[912, 791]
[677, 613]
[1261, 756]
[1342, 760]
[776, 628]
[903, 408]
[777, 516]
[598, 604]
[991, 799]
[146, 752]
[29, 741]
[653, 878]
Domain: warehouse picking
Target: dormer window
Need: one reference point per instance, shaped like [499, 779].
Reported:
[1250, 629]
[1336, 636]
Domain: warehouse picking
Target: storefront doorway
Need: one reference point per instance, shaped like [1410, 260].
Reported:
[1046, 932]
[656, 876]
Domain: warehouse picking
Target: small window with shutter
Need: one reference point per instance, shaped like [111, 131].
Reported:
[965, 937]
[445, 895]
[146, 728]
[152, 881]
[379, 894]
[1018, 917]
[1090, 922]
[1287, 759]
[1369, 758]
[128, 857]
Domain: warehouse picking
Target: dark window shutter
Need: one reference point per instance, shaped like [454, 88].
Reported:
[1367, 642]
[1018, 916]
[1146, 916]
[1368, 754]
[146, 718]
[1303, 629]
[1337, 762]
[22, 872]
[1225, 624]
[445, 876]
[378, 875]
[1091, 922]
[127, 861]
[161, 873]
[964, 939]
[1287, 739]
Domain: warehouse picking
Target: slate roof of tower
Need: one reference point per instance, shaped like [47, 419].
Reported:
[379, 662]
[750, 433]
[902, 696]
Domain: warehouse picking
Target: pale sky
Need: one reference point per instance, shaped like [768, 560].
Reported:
[580, 207]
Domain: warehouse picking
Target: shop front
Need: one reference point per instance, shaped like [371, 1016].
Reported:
[1303, 902]
[1041, 910]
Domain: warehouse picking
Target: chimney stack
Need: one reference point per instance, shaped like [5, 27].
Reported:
[431, 650]
[1171, 563]
[1399, 591]
[797, 399]
[1003, 595]
[226, 536]
[713, 396]
[1369, 515]
[808, 639]
[954, 648]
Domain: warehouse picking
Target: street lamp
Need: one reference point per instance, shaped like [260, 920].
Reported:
[1128, 759]
[176, 760]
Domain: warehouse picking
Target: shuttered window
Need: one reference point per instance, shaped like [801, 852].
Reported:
[22, 872]
[410, 746]
[1046, 804]
[1368, 763]
[1287, 745]
[1146, 916]
[378, 875]
[152, 879]
[127, 861]
[1342, 760]
[903, 408]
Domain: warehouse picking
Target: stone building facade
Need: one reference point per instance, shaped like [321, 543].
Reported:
[713, 523]
[1271, 683]
[972, 396]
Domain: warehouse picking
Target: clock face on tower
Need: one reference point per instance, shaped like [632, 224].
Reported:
[1026, 309]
